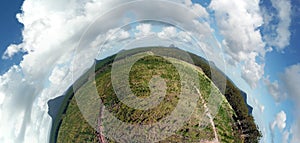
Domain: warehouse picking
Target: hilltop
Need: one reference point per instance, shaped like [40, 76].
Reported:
[232, 123]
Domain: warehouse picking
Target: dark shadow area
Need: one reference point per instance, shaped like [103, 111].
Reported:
[56, 109]
[250, 108]
[54, 106]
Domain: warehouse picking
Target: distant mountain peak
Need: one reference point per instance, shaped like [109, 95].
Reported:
[172, 46]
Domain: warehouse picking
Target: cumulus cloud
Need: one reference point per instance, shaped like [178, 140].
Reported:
[287, 87]
[11, 51]
[167, 32]
[58, 74]
[117, 34]
[111, 37]
[252, 72]
[176, 35]
[197, 9]
[280, 121]
[274, 89]
[291, 81]
[52, 30]
[239, 22]
[281, 33]
[144, 30]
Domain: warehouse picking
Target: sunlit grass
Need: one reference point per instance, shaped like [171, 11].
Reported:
[74, 128]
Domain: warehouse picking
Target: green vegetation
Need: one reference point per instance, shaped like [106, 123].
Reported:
[246, 124]
[70, 125]
[139, 79]
[60, 115]
[74, 128]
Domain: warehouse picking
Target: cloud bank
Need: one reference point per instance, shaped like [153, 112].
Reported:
[52, 29]
[280, 37]
[51, 32]
[291, 82]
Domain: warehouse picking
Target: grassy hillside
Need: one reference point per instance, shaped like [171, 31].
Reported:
[73, 127]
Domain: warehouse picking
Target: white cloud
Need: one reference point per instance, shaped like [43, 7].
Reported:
[262, 108]
[117, 34]
[197, 9]
[168, 32]
[281, 39]
[52, 30]
[291, 81]
[2, 97]
[274, 89]
[239, 22]
[111, 37]
[176, 35]
[252, 72]
[285, 136]
[11, 51]
[58, 74]
[295, 132]
[143, 30]
[259, 106]
[280, 121]
[287, 87]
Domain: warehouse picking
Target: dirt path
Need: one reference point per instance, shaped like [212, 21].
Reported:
[216, 140]
[101, 137]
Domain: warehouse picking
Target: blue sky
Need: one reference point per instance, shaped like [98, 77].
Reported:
[276, 63]
[11, 30]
